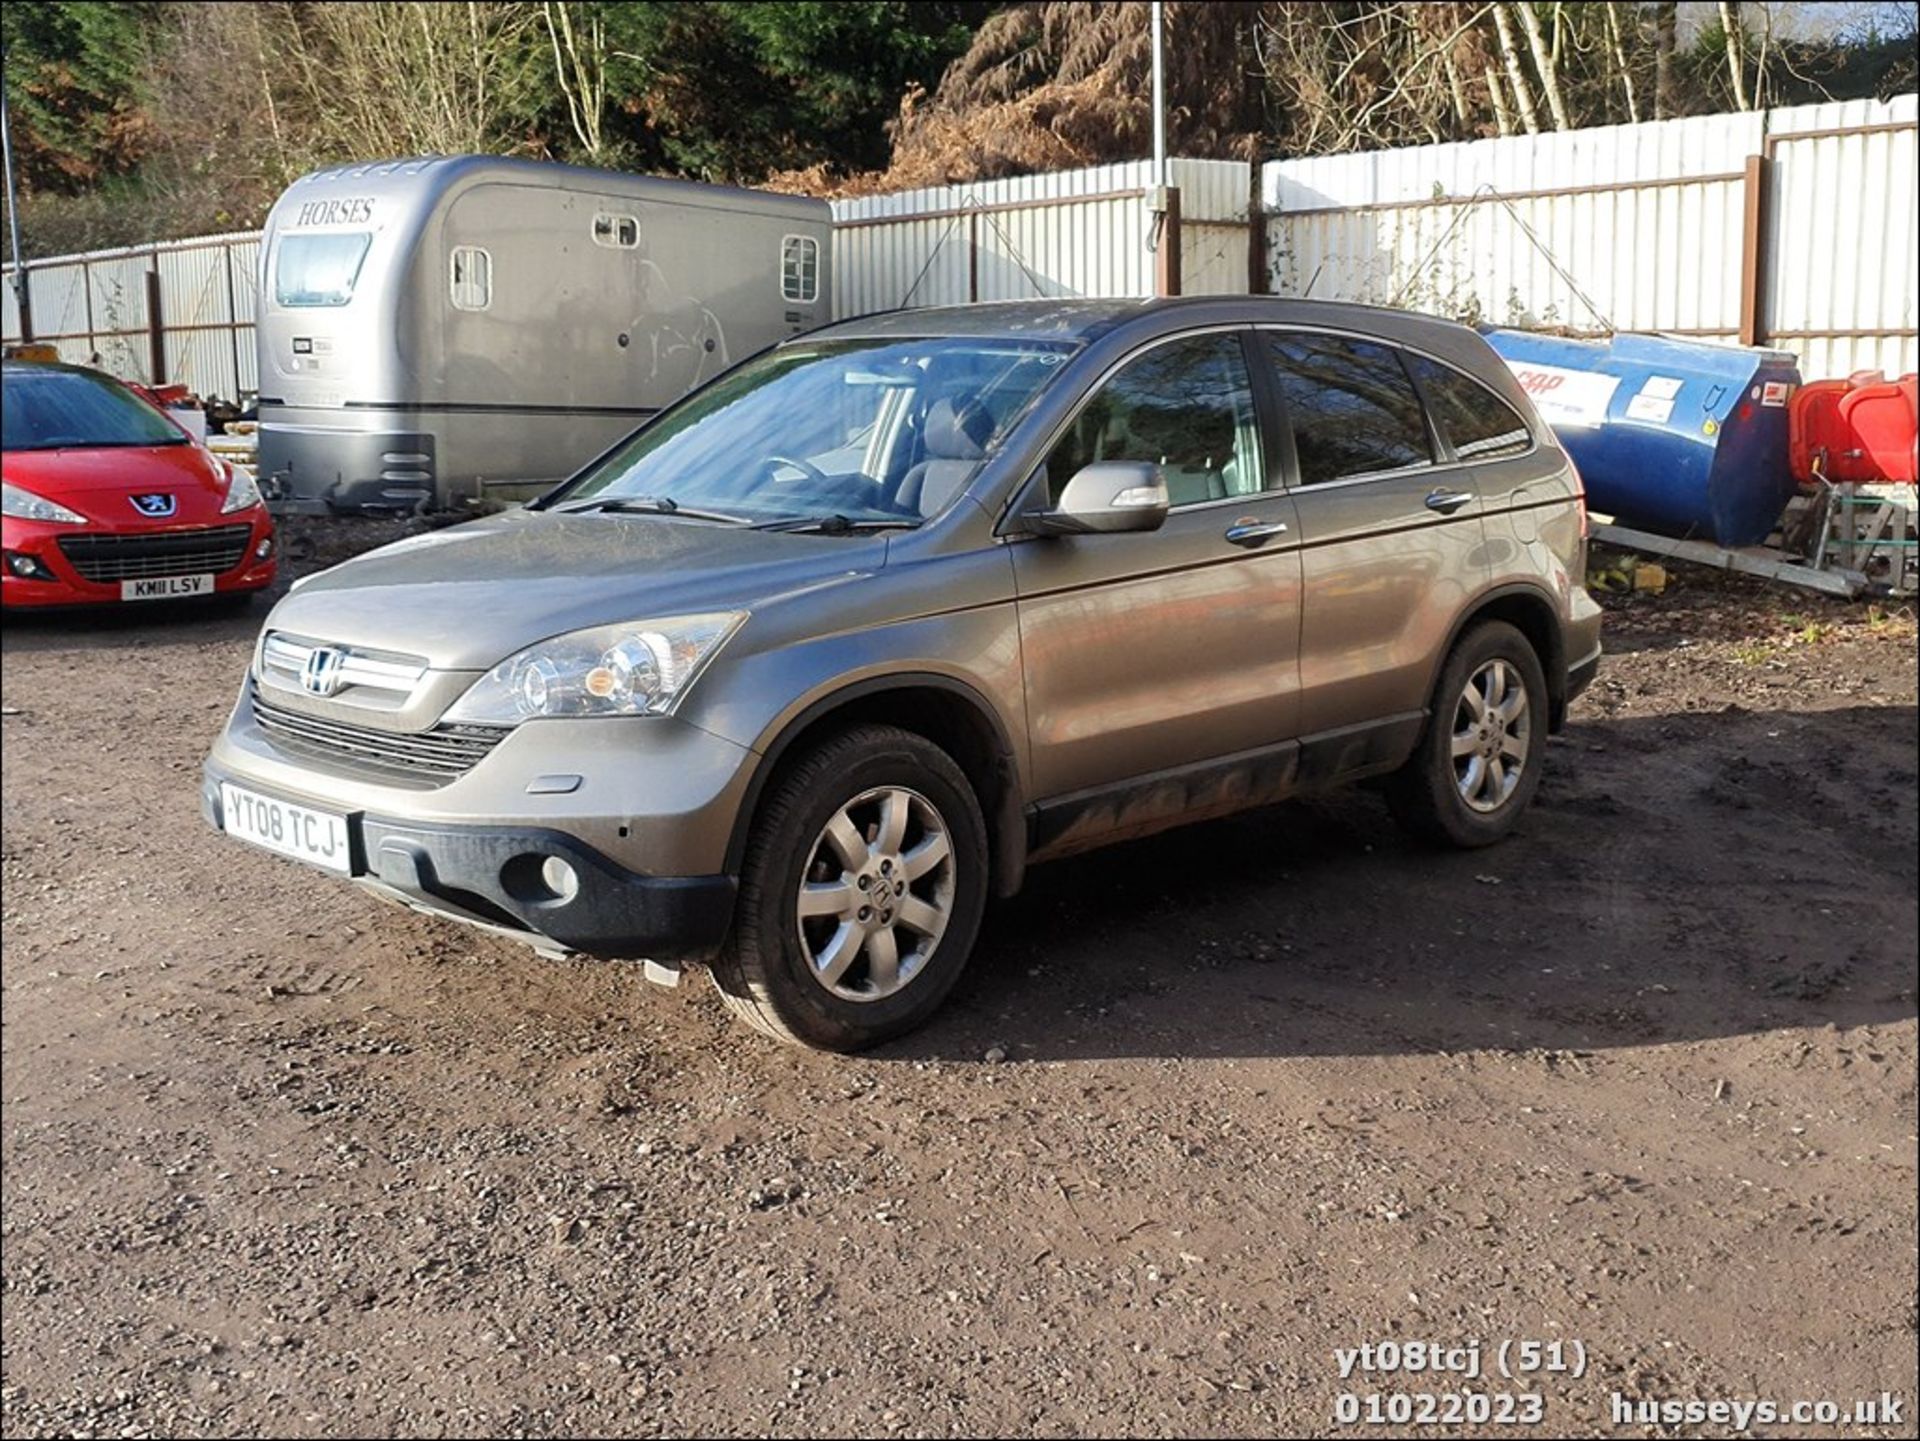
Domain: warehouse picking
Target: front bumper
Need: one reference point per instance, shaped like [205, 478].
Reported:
[641, 808]
[54, 581]
[492, 876]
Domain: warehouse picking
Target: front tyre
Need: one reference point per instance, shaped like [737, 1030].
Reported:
[861, 893]
[1479, 762]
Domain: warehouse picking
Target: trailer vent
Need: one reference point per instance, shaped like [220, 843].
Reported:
[472, 278]
[622, 232]
[800, 269]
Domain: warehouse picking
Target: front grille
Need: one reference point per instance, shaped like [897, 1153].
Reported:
[141, 557]
[439, 754]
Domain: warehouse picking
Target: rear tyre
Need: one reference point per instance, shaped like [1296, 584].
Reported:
[1479, 762]
[861, 893]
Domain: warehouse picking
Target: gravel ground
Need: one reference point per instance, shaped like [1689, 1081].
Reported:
[281, 1159]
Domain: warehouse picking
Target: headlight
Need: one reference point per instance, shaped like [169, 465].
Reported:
[25, 505]
[641, 668]
[242, 492]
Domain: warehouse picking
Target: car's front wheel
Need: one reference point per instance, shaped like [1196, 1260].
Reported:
[1479, 762]
[861, 892]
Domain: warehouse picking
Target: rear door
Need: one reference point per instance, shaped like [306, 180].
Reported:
[1392, 543]
[1529, 497]
[1147, 652]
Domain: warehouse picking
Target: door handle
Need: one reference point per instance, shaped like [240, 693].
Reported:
[1253, 532]
[1447, 501]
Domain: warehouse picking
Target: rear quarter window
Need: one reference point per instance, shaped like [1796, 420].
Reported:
[1479, 423]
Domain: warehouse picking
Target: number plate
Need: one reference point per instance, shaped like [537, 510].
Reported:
[306, 835]
[166, 587]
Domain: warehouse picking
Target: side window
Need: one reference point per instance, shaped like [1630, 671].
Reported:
[471, 277]
[800, 269]
[1480, 424]
[1351, 405]
[1187, 406]
[622, 232]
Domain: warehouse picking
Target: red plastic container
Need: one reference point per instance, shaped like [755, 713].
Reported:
[1817, 438]
[1860, 429]
[1884, 420]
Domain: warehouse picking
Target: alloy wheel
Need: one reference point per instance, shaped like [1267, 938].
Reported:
[876, 893]
[1491, 726]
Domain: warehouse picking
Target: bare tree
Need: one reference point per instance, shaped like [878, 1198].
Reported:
[413, 77]
[1666, 90]
[1616, 36]
[1736, 52]
[1546, 60]
[1496, 93]
[578, 37]
[1516, 72]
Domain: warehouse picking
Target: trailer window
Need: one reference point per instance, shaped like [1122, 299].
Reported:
[319, 269]
[622, 232]
[471, 276]
[800, 269]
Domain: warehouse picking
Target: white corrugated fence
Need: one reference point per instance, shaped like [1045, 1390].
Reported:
[95, 309]
[1632, 227]
[1077, 232]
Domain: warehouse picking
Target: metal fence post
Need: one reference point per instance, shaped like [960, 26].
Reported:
[156, 331]
[1753, 251]
[1166, 253]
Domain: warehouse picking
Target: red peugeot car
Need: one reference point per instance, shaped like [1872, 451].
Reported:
[106, 499]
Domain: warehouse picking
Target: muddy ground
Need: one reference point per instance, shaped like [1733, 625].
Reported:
[280, 1158]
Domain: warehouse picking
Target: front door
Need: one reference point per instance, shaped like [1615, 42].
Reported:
[1149, 652]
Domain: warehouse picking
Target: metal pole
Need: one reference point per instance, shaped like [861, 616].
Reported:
[1159, 100]
[13, 215]
[1164, 240]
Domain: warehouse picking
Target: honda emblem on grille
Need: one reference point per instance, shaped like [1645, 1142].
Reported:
[320, 672]
[156, 506]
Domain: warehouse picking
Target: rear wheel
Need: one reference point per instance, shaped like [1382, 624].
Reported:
[1479, 762]
[861, 893]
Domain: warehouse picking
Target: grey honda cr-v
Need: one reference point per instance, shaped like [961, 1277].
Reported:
[799, 674]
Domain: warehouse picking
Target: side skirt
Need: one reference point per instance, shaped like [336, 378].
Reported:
[1206, 790]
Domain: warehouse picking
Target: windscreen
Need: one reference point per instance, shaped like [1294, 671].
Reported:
[59, 409]
[318, 269]
[868, 430]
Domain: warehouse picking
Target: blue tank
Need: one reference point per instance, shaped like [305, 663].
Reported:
[1680, 437]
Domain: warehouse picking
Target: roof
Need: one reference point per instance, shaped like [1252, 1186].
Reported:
[433, 174]
[48, 367]
[1072, 318]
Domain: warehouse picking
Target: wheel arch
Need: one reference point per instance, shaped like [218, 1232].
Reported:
[948, 712]
[1530, 610]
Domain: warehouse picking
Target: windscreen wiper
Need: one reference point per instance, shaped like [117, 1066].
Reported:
[648, 505]
[838, 524]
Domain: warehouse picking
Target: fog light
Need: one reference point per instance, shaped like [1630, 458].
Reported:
[27, 567]
[560, 878]
[264, 549]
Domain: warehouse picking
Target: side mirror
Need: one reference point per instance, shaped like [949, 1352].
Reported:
[1106, 498]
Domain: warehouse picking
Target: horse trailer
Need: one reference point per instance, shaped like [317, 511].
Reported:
[444, 328]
